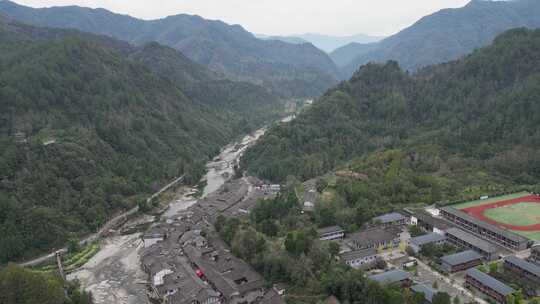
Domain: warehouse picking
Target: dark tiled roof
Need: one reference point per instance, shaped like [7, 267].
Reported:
[473, 240]
[490, 282]
[389, 218]
[332, 229]
[530, 267]
[374, 235]
[432, 221]
[427, 291]
[427, 239]
[359, 254]
[272, 297]
[390, 277]
[509, 235]
[461, 258]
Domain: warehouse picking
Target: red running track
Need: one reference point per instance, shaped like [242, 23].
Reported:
[478, 212]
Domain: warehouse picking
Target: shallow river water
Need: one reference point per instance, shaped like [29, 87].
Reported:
[114, 274]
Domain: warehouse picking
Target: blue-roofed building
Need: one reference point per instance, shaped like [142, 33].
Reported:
[427, 291]
[392, 277]
[390, 219]
[522, 268]
[461, 261]
[491, 287]
[417, 243]
[465, 240]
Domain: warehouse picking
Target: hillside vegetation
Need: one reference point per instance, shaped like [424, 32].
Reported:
[289, 70]
[445, 35]
[87, 128]
[20, 286]
[453, 130]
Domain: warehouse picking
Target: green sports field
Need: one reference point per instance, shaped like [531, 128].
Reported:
[533, 235]
[490, 200]
[514, 216]
[520, 214]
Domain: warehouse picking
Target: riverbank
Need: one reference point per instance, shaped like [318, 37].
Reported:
[114, 274]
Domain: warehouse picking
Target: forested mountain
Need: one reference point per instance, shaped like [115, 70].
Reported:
[445, 130]
[327, 43]
[292, 70]
[450, 33]
[87, 125]
[346, 54]
[288, 39]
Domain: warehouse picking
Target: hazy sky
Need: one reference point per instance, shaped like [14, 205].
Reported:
[281, 17]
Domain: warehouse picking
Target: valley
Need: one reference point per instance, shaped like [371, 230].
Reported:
[171, 156]
[115, 273]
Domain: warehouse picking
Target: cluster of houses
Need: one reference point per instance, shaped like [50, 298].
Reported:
[364, 246]
[188, 263]
[477, 241]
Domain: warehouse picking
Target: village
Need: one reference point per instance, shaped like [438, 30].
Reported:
[187, 262]
[426, 250]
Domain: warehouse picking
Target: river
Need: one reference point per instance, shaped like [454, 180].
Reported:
[114, 274]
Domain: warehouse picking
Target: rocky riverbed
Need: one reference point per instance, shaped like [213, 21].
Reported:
[114, 274]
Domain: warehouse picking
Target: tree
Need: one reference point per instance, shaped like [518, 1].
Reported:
[73, 245]
[456, 300]
[493, 268]
[333, 249]
[442, 298]
[321, 184]
[21, 286]
[416, 231]
[519, 297]
[510, 299]
[435, 285]
[247, 243]
[297, 243]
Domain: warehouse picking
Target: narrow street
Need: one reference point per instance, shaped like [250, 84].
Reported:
[451, 285]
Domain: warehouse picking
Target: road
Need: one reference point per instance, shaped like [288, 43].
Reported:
[110, 224]
[453, 284]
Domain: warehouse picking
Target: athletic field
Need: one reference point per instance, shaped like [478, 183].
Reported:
[519, 213]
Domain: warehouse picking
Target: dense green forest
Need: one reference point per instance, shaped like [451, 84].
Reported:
[21, 286]
[87, 126]
[450, 131]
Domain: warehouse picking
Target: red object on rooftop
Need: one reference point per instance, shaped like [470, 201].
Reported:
[199, 273]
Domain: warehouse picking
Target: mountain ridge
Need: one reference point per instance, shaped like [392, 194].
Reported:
[450, 33]
[227, 49]
[479, 109]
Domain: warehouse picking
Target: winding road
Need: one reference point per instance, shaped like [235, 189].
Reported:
[110, 224]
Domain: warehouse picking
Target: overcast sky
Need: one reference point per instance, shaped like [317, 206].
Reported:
[281, 17]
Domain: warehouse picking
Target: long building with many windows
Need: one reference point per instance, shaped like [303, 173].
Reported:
[522, 268]
[463, 239]
[485, 230]
[491, 287]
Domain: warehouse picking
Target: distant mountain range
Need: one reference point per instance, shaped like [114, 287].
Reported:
[346, 54]
[443, 36]
[326, 43]
[290, 70]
